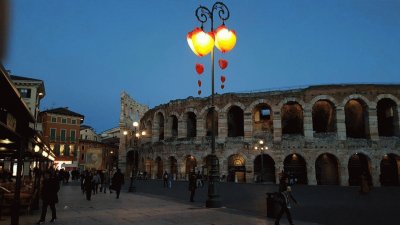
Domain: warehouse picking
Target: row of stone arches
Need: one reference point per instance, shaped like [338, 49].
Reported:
[323, 112]
[327, 168]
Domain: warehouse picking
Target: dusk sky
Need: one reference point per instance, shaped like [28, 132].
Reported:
[88, 51]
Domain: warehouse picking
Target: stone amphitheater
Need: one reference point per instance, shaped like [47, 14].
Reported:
[320, 135]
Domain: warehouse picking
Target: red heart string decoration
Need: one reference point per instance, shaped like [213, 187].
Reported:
[223, 78]
[199, 68]
[199, 83]
[222, 63]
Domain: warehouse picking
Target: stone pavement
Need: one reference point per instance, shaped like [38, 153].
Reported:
[138, 208]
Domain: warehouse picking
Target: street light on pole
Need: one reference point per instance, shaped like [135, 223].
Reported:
[261, 147]
[137, 136]
[202, 43]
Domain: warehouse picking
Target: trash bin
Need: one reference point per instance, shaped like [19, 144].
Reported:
[273, 206]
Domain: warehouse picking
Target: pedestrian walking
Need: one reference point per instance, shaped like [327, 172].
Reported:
[96, 181]
[199, 180]
[88, 185]
[165, 178]
[284, 198]
[192, 185]
[50, 188]
[170, 179]
[117, 181]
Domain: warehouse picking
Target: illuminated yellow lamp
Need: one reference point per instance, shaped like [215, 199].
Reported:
[125, 132]
[45, 154]
[200, 42]
[6, 141]
[225, 39]
[37, 148]
[143, 133]
[137, 135]
[135, 124]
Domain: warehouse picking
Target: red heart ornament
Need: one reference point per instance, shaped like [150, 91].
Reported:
[222, 63]
[222, 86]
[199, 83]
[199, 68]
[199, 92]
[223, 78]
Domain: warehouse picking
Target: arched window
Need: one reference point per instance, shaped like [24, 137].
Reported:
[292, 118]
[235, 122]
[387, 117]
[191, 124]
[324, 117]
[174, 126]
[262, 118]
[356, 118]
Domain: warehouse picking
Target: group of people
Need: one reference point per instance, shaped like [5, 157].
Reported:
[91, 181]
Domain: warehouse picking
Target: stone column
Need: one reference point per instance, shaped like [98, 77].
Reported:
[344, 175]
[397, 121]
[373, 124]
[277, 126]
[311, 177]
[182, 131]
[375, 172]
[222, 126]
[122, 160]
[167, 127]
[200, 128]
[248, 125]
[308, 125]
[340, 123]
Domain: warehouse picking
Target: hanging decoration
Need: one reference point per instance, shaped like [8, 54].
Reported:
[223, 78]
[199, 83]
[222, 63]
[225, 39]
[199, 68]
[199, 92]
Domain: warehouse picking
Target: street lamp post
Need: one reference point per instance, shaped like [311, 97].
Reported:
[261, 147]
[137, 136]
[201, 44]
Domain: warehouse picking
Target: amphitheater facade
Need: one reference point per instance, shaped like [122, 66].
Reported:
[321, 135]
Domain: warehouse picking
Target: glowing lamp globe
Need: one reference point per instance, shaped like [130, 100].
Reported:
[225, 39]
[200, 42]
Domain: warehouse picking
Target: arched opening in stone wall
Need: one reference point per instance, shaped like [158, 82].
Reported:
[324, 117]
[292, 118]
[295, 165]
[133, 159]
[191, 165]
[149, 128]
[235, 122]
[209, 121]
[387, 117]
[356, 113]
[174, 126]
[160, 168]
[358, 165]
[390, 166]
[264, 168]
[191, 124]
[160, 119]
[327, 170]
[262, 119]
[236, 169]
[173, 166]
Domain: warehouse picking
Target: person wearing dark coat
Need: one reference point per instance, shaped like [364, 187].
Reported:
[88, 185]
[285, 196]
[192, 185]
[117, 181]
[50, 188]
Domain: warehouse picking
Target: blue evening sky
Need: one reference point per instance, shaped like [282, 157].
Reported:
[89, 51]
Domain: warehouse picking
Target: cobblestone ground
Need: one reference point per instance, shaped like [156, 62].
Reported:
[138, 208]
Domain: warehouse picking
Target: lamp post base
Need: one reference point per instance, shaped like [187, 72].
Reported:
[214, 203]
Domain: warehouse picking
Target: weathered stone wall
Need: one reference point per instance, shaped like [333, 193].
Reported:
[308, 145]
